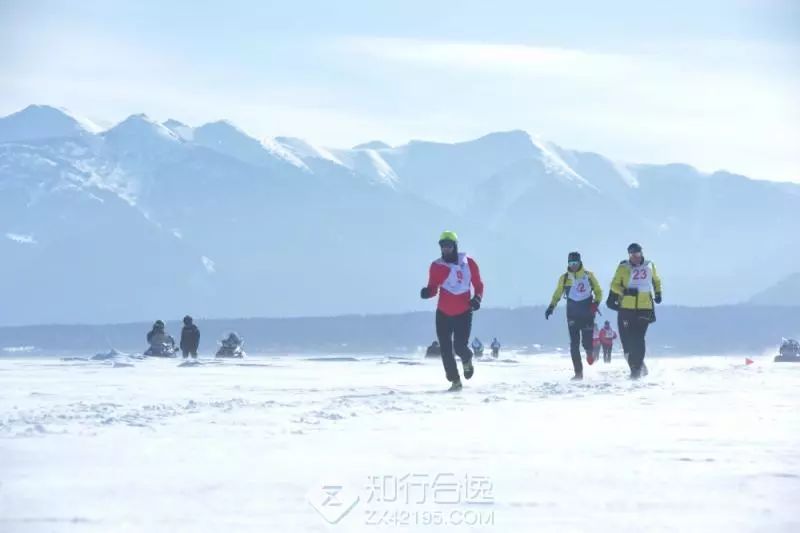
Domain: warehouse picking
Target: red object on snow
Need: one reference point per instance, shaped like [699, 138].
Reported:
[748, 361]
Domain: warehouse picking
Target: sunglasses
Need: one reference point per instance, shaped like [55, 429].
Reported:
[573, 263]
[446, 244]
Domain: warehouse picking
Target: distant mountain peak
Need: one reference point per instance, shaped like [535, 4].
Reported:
[521, 135]
[223, 125]
[140, 127]
[44, 122]
[372, 145]
[225, 137]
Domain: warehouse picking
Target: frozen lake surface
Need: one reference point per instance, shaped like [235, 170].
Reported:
[375, 444]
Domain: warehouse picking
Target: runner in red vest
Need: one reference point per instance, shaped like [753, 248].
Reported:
[452, 276]
[607, 336]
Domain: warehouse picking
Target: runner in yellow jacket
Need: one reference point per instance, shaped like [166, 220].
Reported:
[631, 296]
[577, 285]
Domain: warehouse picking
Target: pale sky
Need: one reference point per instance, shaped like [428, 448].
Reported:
[711, 83]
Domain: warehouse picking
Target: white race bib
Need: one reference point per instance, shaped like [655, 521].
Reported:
[460, 277]
[641, 277]
[581, 288]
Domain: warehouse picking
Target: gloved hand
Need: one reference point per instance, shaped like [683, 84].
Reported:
[425, 293]
[612, 302]
[548, 312]
[475, 303]
[658, 298]
[631, 292]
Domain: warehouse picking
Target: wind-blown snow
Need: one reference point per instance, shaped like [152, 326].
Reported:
[304, 149]
[180, 129]
[556, 165]
[279, 150]
[626, 174]
[702, 444]
[85, 123]
[368, 162]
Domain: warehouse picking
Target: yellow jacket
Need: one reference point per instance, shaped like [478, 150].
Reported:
[624, 280]
[566, 280]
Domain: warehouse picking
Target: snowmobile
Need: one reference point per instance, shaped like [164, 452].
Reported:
[434, 350]
[231, 347]
[234, 351]
[164, 349]
[789, 352]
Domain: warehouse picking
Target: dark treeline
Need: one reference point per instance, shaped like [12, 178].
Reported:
[679, 330]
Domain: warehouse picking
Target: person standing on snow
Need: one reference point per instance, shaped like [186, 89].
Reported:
[607, 336]
[632, 297]
[495, 347]
[477, 347]
[451, 276]
[577, 285]
[190, 338]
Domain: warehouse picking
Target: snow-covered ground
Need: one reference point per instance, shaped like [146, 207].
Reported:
[290, 444]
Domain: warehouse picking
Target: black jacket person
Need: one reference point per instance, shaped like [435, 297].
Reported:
[190, 338]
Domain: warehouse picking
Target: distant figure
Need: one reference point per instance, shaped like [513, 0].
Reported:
[477, 347]
[157, 336]
[161, 344]
[433, 350]
[190, 338]
[596, 343]
[790, 348]
[607, 336]
[452, 276]
[233, 340]
[495, 348]
[231, 346]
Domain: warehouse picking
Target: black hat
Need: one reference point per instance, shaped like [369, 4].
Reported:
[574, 256]
[634, 247]
[187, 320]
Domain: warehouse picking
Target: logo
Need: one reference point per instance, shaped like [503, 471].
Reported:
[332, 501]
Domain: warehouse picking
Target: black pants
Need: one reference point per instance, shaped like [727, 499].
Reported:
[633, 325]
[453, 333]
[607, 353]
[578, 327]
[186, 353]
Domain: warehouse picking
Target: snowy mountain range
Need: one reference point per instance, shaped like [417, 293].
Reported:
[150, 219]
